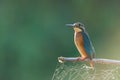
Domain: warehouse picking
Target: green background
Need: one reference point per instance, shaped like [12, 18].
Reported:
[33, 34]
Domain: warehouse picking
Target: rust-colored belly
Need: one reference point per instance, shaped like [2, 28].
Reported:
[79, 42]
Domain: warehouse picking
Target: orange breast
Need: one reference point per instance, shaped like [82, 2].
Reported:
[79, 42]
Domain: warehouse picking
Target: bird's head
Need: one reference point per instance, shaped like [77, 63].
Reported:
[78, 27]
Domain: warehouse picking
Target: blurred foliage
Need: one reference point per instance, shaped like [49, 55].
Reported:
[33, 34]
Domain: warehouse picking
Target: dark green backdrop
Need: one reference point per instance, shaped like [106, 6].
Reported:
[33, 34]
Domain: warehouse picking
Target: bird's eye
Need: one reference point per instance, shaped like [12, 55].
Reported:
[79, 24]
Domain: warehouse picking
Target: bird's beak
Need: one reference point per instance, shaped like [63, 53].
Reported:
[70, 25]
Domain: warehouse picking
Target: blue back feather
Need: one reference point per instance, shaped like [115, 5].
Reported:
[87, 43]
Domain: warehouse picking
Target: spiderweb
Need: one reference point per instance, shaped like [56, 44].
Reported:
[78, 71]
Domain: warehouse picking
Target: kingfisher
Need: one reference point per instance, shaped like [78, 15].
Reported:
[83, 42]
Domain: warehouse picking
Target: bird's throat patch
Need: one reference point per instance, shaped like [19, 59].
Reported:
[77, 29]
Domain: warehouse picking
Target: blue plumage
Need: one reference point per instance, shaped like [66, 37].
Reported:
[87, 43]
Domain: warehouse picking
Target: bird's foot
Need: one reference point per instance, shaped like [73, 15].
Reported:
[81, 58]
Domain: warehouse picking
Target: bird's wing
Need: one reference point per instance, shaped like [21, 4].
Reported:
[88, 44]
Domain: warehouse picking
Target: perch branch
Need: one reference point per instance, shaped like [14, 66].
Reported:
[96, 60]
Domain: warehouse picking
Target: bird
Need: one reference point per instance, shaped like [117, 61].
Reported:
[83, 42]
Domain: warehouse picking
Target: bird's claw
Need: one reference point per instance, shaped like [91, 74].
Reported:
[79, 59]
